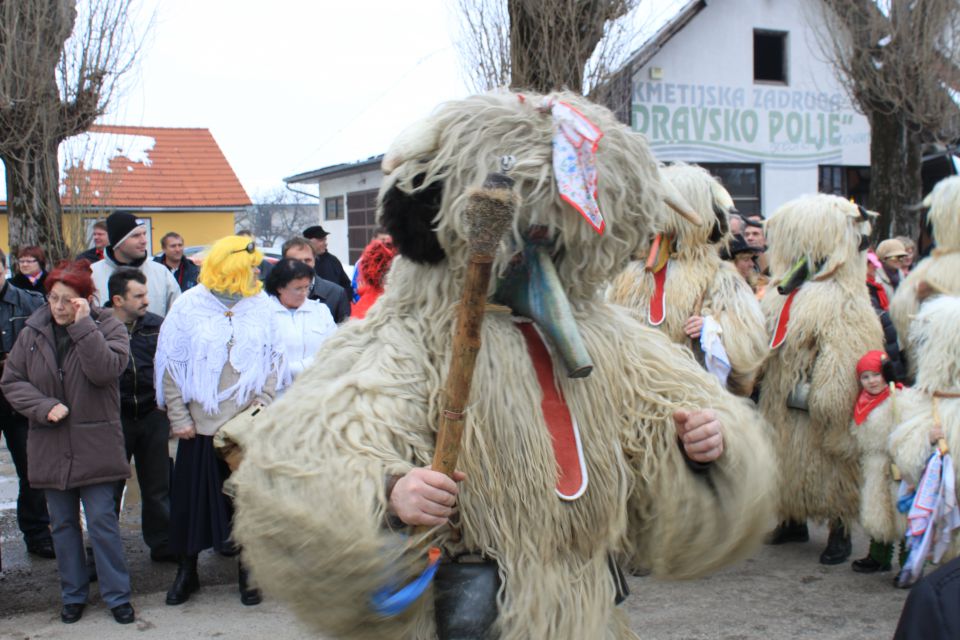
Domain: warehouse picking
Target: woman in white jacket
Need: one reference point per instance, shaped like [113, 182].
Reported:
[303, 324]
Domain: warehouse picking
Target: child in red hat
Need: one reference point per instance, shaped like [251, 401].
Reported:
[874, 417]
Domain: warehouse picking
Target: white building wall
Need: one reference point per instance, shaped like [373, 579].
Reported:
[706, 106]
[337, 243]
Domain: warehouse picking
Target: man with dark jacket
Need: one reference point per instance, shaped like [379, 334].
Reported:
[146, 429]
[326, 264]
[100, 242]
[297, 248]
[183, 270]
[16, 305]
[931, 611]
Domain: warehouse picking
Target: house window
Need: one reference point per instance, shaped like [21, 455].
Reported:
[769, 56]
[361, 221]
[742, 181]
[333, 208]
[846, 182]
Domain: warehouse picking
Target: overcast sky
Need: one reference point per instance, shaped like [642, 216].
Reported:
[291, 85]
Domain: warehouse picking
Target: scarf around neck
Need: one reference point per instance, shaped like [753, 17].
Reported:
[201, 335]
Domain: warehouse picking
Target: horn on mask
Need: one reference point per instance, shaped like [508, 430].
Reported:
[678, 203]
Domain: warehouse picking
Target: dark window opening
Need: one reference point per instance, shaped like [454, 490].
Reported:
[361, 221]
[333, 208]
[852, 183]
[742, 181]
[770, 56]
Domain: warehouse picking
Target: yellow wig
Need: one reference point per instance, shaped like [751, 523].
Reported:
[228, 268]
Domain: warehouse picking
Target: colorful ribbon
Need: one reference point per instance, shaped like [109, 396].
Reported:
[575, 141]
[390, 601]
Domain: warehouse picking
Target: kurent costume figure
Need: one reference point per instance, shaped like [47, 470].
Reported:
[820, 317]
[931, 408]
[875, 415]
[687, 291]
[555, 467]
[936, 275]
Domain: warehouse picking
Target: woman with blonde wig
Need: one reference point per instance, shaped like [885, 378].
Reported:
[218, 354]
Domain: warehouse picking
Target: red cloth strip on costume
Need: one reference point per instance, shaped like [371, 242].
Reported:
[780, 333]
[658, 305]
[564, 432]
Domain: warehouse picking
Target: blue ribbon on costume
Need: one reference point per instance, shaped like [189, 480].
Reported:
[905, 502]
[389, 601]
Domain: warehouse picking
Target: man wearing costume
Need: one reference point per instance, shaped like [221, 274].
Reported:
[639, 455]
[687, 291]
[939, 274]
[930, 412]
[819, 316]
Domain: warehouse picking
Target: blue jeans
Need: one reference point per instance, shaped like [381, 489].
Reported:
[104, 529]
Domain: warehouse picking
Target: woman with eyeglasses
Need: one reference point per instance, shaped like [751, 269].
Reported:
[32, 273]
[63, 375]
[218, 353]
[304, 324]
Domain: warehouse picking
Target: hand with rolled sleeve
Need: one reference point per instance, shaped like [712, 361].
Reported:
[700, 433]
[425, 497]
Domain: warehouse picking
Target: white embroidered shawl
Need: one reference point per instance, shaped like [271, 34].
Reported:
[200, 334]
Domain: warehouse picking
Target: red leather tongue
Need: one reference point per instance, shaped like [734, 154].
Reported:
[657, 302]
[567, 449]
[780, 333]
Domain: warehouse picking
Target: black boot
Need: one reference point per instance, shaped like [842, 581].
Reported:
[839, 546]
[248, 596]
[186, 582]
[789, 531]
[877, 560]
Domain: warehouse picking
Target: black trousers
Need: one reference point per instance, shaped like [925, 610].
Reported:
[146, 441]
[32, 516]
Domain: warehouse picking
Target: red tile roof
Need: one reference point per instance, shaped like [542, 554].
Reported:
[170, 168]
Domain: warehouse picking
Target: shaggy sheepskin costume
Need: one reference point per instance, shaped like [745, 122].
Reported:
[310, 491]
[940, 271]
[831, 325]
[879, 488]
[936, 392]
[697, 281]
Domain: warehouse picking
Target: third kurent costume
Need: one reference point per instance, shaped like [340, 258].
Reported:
[371, 411]
[819, 329]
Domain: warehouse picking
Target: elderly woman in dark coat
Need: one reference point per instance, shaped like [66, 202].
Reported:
[63, 375]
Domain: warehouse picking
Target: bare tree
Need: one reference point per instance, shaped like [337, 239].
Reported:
[60, 65]
[542, 45]
[900, 64]
[277, 215]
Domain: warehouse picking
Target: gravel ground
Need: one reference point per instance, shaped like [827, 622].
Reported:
[780, 593]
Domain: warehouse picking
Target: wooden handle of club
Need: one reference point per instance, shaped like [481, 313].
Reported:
[466, 345]
[489, 213]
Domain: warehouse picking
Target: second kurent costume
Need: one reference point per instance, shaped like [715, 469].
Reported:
[691, 279]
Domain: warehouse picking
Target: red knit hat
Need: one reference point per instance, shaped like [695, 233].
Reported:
[872, 361]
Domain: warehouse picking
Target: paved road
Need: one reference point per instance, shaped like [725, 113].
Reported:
[781, 593]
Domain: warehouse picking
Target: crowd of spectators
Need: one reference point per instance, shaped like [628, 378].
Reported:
[106, 361]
